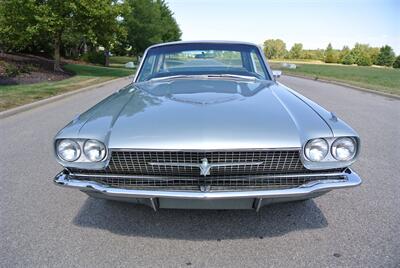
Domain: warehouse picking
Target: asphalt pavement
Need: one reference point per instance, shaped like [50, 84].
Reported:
[42, 224]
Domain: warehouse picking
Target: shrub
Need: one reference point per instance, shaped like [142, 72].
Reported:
[94, 57]
[396, 63]
[386, 56]
[363, 59]
[361, 55]
[348, 59]
[12, 70]
[330, 55]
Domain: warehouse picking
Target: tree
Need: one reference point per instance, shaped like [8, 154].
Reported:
[54, 17]
[73, 43]
[170, 29]
[149, 22]
[274, 48]
[26, 22]
[102, 25]
[34, 25]
[17, 24]
[373, 53]
[363, 59]
[396, 63]
[296, 51]
[348, 59]
[386, 56]
[361, 55]
[344, 53]
[330, 54]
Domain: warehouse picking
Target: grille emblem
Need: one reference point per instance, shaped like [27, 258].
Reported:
[205, 188]
[204, 166]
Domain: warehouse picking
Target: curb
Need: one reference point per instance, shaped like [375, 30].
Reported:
[30, 106]
[346, 85]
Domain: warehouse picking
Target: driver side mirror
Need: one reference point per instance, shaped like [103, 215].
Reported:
[276, 73]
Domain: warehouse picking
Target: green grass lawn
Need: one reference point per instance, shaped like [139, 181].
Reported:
[375, 78]
[121, 59]
[85, 75]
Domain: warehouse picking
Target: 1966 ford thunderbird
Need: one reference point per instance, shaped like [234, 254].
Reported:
[205, 125]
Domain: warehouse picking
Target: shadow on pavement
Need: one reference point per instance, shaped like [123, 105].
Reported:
[135, 220]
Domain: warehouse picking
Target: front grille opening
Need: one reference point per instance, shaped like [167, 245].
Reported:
[281, 169]
[136, 163]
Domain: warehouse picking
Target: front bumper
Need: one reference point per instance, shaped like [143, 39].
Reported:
[260, 197]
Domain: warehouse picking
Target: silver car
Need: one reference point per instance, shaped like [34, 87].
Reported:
[205, 125]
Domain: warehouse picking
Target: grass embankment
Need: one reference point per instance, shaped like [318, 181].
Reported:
[375, 78]
[85, 75]
[119, 61]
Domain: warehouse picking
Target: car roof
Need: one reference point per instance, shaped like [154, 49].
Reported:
[204, 42]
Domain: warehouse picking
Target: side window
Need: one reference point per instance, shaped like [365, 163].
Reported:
[256, 61]
[147, 68]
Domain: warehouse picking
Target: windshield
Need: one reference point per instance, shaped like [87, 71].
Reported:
[203, 59]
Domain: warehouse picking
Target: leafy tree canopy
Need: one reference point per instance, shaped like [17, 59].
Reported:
[274, 48]
[296, 51]
[69, 27]
[396, 63]
[330, 54]
[149, 22]
[386, 56]
[361, 55]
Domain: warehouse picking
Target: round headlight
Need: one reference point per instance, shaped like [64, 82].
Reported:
[94, 150]
[344, 149]
[68, 150]
[316, 150]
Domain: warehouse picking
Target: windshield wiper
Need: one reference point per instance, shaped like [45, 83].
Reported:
[181, 76]
[202, 76]
[248, 77]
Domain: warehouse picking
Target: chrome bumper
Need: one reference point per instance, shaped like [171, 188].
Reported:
[351, 179]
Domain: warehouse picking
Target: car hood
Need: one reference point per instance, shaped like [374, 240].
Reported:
[201, 114]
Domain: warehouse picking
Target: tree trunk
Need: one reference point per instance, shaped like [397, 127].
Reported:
[57, 58]
[107, 55]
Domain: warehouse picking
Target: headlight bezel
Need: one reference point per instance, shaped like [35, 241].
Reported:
[330, 162]
[87, 153]
[82, 159]
[73, 142]
[307, 149]
[334, 148]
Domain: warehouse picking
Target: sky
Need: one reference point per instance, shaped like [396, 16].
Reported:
[314, 23]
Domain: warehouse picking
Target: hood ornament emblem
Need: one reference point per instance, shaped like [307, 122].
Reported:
[204, 166]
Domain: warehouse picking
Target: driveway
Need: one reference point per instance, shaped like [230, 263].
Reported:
[45, 225]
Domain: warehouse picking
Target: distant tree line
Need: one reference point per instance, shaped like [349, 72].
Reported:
[78, 28]
[360, 54]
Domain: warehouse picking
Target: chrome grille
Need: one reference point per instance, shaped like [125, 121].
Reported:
[280, 169]
[247, 183]
[136, 162]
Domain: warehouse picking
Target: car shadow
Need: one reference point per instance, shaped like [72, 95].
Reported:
[136, 220]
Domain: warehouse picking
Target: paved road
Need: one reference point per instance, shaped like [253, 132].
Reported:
[44, 225]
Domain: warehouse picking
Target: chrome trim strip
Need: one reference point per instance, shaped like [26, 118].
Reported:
[177, 164]
[352, 180]
[203, 41]
[186, 178]
[264, 59]
[205, 150]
